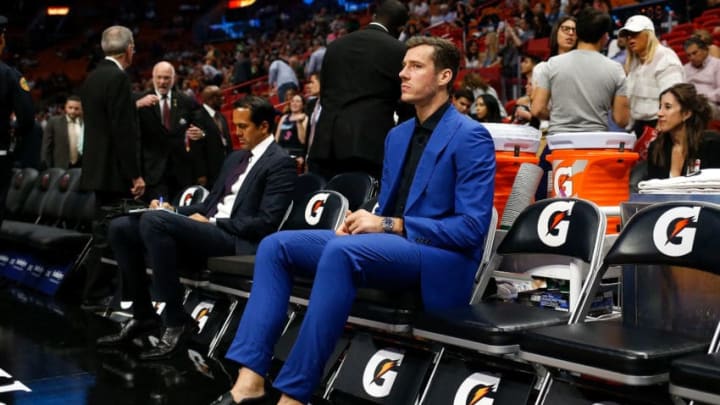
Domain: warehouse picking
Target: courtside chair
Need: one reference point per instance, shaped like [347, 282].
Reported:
[568, 229]
[357, 187]
[680, 234]
[697, 377]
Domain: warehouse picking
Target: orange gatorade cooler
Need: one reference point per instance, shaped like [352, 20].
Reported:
[594, 166]
[514, 145]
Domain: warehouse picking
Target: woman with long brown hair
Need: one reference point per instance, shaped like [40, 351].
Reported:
[683, 145]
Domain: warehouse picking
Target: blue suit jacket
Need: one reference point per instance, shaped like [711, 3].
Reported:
[449, 205]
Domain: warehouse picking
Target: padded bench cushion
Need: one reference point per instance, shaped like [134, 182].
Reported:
[43, 237]
[232, 265]
[698, 372]
[611, 345]
[493, 322]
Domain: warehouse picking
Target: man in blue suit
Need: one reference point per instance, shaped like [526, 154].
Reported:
[434, 210]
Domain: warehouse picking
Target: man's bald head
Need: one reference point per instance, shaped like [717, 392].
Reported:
[212, 96]
[163, 76]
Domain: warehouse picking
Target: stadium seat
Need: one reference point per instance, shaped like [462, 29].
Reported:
[22, 183]
[679, 234]
[357, 187]
[564, 228]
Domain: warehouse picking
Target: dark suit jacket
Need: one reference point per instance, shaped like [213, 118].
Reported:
[261, 201]
[209, 152]
[55, 143]
[360, 92]
[163, 151]
[111, 137]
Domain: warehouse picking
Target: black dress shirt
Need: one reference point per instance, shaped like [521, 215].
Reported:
[420, 137]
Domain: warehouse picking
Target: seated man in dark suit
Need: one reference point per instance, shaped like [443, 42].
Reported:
[435, 206]
[246, 204]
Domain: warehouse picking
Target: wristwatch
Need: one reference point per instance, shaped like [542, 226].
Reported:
[387, 224]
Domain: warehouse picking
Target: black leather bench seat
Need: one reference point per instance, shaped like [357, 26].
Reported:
[44, 238]
[612, 346]
[699, 372]
[493, 323]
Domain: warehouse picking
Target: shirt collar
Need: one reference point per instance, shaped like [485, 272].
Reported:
[169, 94]
[78, 120]
[380, 25]
[115, 61]
[432, 121]
[209, 110]
[260, 148]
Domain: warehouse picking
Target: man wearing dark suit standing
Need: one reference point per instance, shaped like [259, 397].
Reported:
[360, 93]
[246, 204]
[14, 98]
[164, 115]
[210, 137]
[110, 165]
[63, 137]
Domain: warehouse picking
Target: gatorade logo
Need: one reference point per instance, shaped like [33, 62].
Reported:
[674, 231]
[562, 182]
[315, 207]
[381, 371]
[201, 312]
[553, 223]
[477, 389]
[15, 386]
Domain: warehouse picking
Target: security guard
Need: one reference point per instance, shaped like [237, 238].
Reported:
[14, 98]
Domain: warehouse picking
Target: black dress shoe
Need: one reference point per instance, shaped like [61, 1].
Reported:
[132, 329]
[172, 338]
[227, 399]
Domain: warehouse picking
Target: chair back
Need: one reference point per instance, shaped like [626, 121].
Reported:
[357, 187]
[324, 209]
[307, 183]
[192, 195]
[570, 228]
[679, 234]
[52, 209]
[22, 183]
[45, 182]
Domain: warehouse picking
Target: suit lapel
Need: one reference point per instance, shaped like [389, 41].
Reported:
[441, 136]
[250, 177]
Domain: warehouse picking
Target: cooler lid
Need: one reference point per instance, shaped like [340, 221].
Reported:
[591, 140]
[508, 136]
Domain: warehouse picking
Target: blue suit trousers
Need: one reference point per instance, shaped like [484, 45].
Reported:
[340, 265]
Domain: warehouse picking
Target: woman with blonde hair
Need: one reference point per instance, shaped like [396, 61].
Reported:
[683, 146]
[650, 67]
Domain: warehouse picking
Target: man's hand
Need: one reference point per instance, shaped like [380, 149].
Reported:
[343, 230]
[138, 188]
[202, 180]
[155, 204]
[147, 101]
[194, 133]
[199, 218]
[361, 221]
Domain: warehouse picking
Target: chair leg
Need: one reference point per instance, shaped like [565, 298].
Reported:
[544, 389]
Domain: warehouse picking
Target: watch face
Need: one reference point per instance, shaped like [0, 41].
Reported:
[387, 224]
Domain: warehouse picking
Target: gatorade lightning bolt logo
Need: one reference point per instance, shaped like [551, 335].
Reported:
[477, 389]
[563, 185]
[674, 231]
[553, 223]
[314, 208]
[381, 371]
